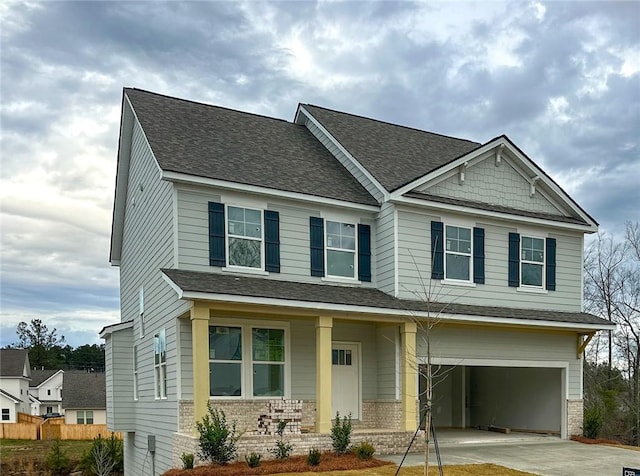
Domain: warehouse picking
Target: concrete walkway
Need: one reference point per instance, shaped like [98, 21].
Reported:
[542, 456]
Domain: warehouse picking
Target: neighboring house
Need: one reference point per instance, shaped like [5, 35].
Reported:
[14, 384]
[84, 398]
[45, 391]
[262, 259]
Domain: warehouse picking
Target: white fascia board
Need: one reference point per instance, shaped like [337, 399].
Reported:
[383, 191]
[524, 162]
[108, 330]
[179, 177]
[400, 313]
[448, 207]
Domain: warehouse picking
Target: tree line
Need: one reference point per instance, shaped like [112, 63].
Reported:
[47, 350]
[612, 363]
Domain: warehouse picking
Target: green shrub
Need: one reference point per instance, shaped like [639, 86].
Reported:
[57, 461]
[218, 439]
[313, 458]
[341, 434]
[364, 450]
[104, 457]
[593, 421]
[187, 460]
[253, 459]
[283, 449]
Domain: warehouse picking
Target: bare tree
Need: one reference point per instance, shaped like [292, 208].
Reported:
[612, 291]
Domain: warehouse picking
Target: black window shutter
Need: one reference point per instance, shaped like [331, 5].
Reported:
[437, 250]
[478, 255]
[514, 259]
[364, 253]
[316, 235]
[216, 235]
[551, 264]
[272, 241]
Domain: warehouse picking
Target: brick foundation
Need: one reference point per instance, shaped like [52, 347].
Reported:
[575, 417]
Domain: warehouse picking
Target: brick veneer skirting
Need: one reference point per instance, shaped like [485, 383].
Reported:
[575, 417]
[385, 442]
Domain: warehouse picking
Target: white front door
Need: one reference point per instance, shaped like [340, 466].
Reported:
[345, 379]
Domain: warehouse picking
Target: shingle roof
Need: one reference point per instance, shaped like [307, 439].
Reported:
[39, 376]
[12, 362]
[8, 395]
[219, 143]
[84, 390]
[191, 281]
[395, 155]
[494, 208]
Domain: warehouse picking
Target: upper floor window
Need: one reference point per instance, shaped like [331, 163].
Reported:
[532, 262]
[244, 238]
[48, 391]
[244, 235]
[6, 415]
[256, 369]
[341, 249]
[160, 364]
[458, 253]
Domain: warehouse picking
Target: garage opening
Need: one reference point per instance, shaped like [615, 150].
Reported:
[518, 398]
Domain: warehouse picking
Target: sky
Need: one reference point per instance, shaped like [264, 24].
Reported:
[561, 79]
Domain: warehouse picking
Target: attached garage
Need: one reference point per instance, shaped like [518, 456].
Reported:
[519, 398]
[522, 379]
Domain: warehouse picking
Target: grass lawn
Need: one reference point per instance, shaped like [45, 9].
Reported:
[20, 456]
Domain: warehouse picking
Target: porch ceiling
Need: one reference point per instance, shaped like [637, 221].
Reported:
[220, 287]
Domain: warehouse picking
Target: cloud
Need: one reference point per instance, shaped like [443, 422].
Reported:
[561, 79]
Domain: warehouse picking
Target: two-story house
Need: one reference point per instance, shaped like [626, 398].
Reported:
[265, 260]
[14, 384]
[45, 391]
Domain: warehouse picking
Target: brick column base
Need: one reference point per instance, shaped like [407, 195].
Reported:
[574, 417]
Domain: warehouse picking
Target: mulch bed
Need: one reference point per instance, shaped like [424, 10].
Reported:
[295, 464]
[594, 441]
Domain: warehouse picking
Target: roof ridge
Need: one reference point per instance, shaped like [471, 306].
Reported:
[199, 103]
[392, 124]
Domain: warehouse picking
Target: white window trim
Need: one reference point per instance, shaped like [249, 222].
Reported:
[160, 368]
[135, 372]
[530, 288]
[331, 277]
[246, 364]
[141, 310]
[458, 282]
[244, 269]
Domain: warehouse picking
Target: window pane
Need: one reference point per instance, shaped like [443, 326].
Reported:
[268, 380]
[80, 418]
[225, 343]
[225, 379]
[245, 222]
[531, 274]
[236, 228]
[245, 253]
[89, 415]
[333, 228]
[340, 263]
[348, 243]
[268, 345]
[533, 249]
[335, 357]
[457, 267]
[236, 214]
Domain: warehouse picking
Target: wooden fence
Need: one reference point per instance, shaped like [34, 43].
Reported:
[31, 427]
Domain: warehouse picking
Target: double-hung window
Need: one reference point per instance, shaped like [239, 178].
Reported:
[532, 261]
[341, 249]
[6, 415]
[244, 237]
[160, 364]
[247, 361]
[84, 417]
[458, 253]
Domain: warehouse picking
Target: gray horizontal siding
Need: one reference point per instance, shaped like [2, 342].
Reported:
[415, 268]
[193, 234]
[501, 344]
[385, 249]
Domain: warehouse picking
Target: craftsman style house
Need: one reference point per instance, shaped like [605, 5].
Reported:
[265, 263]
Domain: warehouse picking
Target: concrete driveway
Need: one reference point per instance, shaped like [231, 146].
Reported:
[544, 457]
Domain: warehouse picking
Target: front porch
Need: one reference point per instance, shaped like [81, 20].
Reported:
[385, 388]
